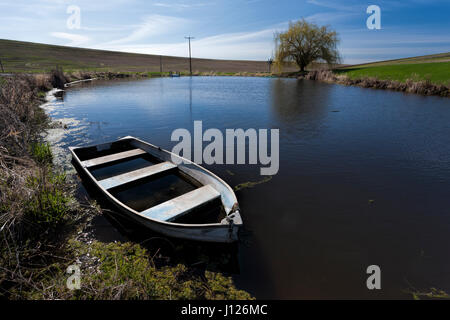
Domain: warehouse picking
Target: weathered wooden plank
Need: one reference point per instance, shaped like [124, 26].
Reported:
[171, 209]
[112, 157]
[136, 175]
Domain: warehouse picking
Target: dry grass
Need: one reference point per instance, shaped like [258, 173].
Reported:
[37, 216]
[24, 250]
[21, 118]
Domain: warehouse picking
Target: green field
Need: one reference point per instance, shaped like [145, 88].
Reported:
[435, 68]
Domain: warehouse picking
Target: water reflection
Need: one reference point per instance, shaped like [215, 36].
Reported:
[300, 106]
[190, 98]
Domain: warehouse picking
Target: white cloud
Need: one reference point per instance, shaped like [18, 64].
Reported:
[154, 25]
[76, 39]
[244, 45]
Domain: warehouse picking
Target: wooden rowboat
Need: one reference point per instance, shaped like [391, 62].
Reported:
[178, 200]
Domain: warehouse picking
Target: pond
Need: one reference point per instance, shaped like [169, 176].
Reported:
[364, 175]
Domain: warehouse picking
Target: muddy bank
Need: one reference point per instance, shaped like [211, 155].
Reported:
[420, 87]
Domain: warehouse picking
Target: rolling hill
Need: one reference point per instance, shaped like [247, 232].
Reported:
[29, 57]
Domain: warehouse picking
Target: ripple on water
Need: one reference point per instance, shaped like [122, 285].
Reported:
[65, 131]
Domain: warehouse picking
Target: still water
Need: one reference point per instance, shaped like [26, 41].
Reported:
[364, 175]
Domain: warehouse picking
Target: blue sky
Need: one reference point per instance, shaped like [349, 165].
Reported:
[229, 29]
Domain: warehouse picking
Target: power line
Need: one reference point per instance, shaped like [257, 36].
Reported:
[190, 59]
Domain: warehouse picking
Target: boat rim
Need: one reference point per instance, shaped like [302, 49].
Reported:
[226, 222]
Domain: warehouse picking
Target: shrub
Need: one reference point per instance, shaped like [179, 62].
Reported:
[43, 82]
[21, 119]
[48, 203]
[42, 152]
[57, 78]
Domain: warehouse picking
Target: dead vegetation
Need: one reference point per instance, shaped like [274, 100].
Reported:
[251, 184]
[32, 196]
[21, 118]
[57, 78]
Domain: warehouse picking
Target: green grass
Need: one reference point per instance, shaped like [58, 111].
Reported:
[48, 205]
[42, 152]
[126, 271]
[435, 72]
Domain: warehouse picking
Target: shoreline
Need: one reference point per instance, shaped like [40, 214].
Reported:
[47, 228]
[424, 88]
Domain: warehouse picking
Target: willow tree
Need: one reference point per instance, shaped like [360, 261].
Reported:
[304, 43]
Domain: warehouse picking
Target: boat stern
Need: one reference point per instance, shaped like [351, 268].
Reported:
[234, 222]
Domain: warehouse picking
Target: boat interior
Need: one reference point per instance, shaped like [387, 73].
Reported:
[153, 187]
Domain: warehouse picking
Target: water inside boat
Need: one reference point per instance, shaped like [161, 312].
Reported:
[107, 163]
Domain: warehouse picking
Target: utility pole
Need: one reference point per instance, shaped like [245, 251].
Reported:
[190, 59]
[160, 65]
[1, 65]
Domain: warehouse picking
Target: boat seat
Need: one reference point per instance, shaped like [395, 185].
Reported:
[112, 157]
[171, 209]
[136, 175]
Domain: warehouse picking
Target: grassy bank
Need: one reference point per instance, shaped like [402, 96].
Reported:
[433, 69]
[43, 226]
[423, 87]
[435, 72]
[425, 75]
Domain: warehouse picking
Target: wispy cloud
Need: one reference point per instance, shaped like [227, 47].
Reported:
[242, 45]
[76, 39]
[158, 26]
[329, 17]
[154, 25]
[109, 28]
[181, 5]
[335, 5]
[339, 11]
